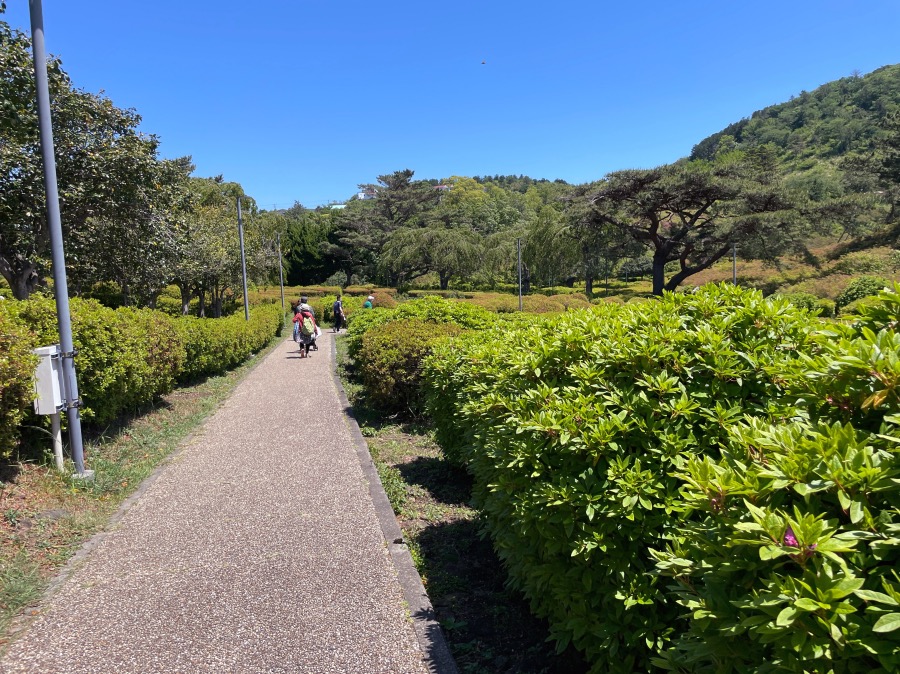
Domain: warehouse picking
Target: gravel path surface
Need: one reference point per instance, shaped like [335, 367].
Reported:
[257, 549]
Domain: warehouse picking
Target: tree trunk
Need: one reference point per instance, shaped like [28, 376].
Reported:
[589, 285]
[202, 309]
[185, 289]
[526, 280]
[659, 274]
[216, 302]
[23, 280]
[444, 280]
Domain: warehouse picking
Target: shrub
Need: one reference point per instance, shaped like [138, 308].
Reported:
[572, 428]
[214, 345]
[126, 357]
[861, 263]
[803, 300]
[825, 308]
[860, 287]
[384, 300]
[109, 294]
[17, 365]
[366, 290]
[789, 558]
[391, 361]
[429, 309]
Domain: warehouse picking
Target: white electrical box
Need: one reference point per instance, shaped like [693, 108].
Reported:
[47, 381]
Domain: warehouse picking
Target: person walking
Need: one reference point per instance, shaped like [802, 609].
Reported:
[337, 310]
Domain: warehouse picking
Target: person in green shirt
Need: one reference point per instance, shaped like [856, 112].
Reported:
[368, 303]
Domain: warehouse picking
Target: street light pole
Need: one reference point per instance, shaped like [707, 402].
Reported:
[60, 284]
[734, 264]
[519, 255]
[243, 261]
[280, 268]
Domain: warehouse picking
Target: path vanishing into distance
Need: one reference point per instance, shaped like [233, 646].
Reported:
[266, 544]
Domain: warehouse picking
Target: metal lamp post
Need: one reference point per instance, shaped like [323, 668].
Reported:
[280, 268]
[243, 261]
[71, 402]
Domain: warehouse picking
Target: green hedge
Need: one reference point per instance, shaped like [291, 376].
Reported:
[863, 286]
[216, 345]
[574, 427]
[125, 358]
[790, 553]
[391, 358]
[428, 309]
[17, 365]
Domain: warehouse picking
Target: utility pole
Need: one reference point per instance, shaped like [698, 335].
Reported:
[243, 261]
[280, 268]
[519, 255]
[60, 285]
[734, 264]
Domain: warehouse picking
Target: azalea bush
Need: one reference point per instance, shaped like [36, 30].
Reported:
[434, 310]
[391, 358]
[789, 556]
[573, 428]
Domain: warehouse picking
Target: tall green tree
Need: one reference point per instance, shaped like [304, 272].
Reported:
[106, 169]
[692, 213]
[447, 251]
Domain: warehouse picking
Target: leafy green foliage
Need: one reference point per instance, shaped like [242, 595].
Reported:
[390, 361]
[788, 556]
[216, 345]
[127, 357]
[572, 427]
[706, 483]
[428, 309]
[863, 286]
[17, 365]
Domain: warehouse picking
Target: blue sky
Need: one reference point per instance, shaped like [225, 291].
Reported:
[304, 100]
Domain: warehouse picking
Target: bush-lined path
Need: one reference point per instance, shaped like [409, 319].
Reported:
[256, 549]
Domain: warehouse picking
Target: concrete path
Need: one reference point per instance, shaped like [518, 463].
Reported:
[256, 549]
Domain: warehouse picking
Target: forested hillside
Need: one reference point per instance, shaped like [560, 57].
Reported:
[838, 118]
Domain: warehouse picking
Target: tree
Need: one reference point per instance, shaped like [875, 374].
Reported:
[692, 213]
[448, 251]
[601, 245]
[105, 168]
[140, 254]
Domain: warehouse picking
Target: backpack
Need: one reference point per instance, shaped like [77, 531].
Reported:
[307, 327]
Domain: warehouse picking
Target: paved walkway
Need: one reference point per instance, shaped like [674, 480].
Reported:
[257, 549]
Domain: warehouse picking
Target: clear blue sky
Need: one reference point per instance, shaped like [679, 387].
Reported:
[303, 100]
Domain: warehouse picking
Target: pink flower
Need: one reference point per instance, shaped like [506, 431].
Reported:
[790, 539]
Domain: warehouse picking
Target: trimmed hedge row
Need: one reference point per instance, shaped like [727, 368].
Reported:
[616, 447]
[213, 346]
[435, 310]
[391, 361]
[17, 365]
[125, 357]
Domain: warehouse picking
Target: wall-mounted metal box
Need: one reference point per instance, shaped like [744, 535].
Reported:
[47, 381]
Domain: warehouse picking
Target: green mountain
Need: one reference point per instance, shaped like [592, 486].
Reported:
[827, 124]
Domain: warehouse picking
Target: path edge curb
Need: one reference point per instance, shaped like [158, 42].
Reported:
[432, 642]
